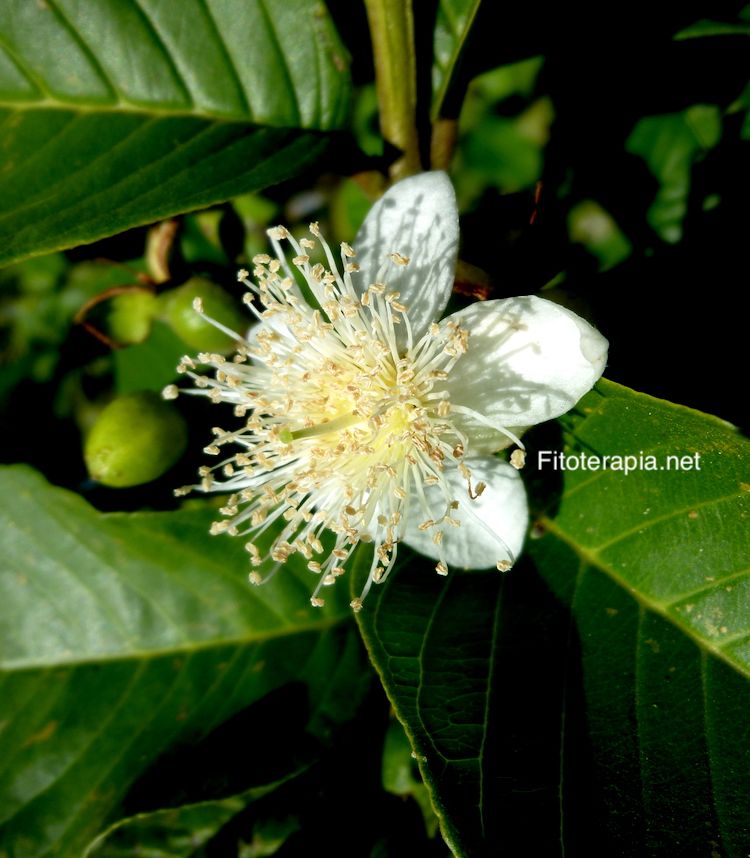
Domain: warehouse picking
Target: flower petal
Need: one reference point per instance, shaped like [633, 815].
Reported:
[417, 218]
[528, 360]
[493, 526]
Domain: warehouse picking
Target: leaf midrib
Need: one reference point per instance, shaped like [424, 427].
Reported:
[123, 106]
[189, 648]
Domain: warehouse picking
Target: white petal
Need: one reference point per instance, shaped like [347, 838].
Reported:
[493, 526]
[528, 360]
[418, 219]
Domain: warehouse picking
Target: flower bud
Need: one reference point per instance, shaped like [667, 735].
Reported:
[136, 439]
[193, 327]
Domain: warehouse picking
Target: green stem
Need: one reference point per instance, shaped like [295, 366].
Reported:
[392, 31]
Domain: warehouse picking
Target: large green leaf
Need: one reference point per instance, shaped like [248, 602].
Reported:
[450, 653]
[469, 667]
[122, 635]
[623, 729]
[655, 568]
[117, 113]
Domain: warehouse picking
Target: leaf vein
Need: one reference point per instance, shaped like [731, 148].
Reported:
[178, 78]
[714, 585]
[224, 48]
[660, 519]
[24, 68]
[86, 49]
[285, 69]
[92, 738]
[649, 601]
[71, 178]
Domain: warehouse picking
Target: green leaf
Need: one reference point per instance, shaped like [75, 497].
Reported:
[122, 635]
[116, 113]
[707, 27]
[497, 150]
[471, 673]
[592, 226]
[179, 832]
[187, 827]
[399, 776]
[655, 568]
[452, 26]
[670, 144]
[641, 691]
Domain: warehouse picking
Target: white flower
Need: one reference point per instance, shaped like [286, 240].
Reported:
[367, 417]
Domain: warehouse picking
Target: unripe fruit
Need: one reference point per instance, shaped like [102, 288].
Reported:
[131, 315]
[135, 440]
[191, 327]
